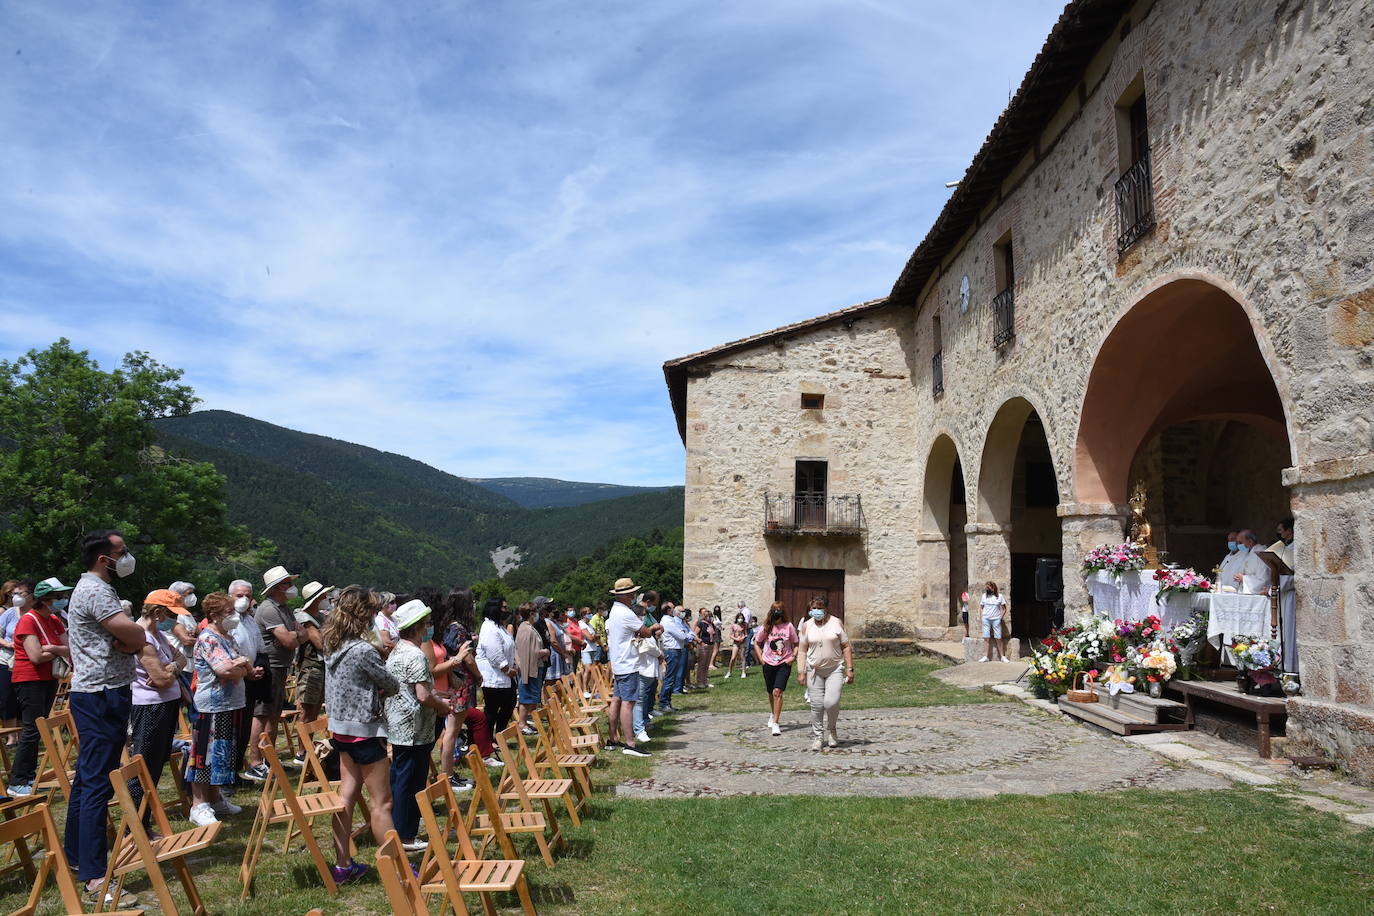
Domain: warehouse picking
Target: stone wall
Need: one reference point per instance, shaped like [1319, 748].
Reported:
[745, 432]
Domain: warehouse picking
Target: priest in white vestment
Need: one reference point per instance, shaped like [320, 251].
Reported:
[1231, 563]
[1253, 577]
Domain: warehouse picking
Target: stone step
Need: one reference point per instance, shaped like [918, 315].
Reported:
[1144, 706]
[1121, 721]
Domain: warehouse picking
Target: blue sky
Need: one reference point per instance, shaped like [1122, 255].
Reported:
[472, 233]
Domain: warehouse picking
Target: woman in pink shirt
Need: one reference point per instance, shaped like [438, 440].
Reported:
[776, 642]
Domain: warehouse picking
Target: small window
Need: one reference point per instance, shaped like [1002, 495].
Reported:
[813, 401]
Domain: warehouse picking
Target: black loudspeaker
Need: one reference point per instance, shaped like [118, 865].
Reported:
[1049, 579]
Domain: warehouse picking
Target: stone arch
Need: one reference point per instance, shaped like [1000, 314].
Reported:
[1187, 349]
[996, 465]
[942, 554]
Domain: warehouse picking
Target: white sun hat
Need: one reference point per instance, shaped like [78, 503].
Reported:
[274, 577]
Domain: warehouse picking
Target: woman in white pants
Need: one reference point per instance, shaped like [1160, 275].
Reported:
[827, 663]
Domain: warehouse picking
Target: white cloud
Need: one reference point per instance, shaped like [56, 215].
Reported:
[472, 234]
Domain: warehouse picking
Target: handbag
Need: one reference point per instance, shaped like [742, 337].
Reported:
[61, 667]
[647, 645]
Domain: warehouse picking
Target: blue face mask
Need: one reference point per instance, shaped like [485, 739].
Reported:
[1231, 546]
[166, 625]
[817, 613]
[1242, 548]
[429, 634]
[60, 604]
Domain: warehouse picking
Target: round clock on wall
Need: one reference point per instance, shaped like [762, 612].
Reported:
[963, 295]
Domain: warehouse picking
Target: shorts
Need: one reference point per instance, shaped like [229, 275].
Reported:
[531, 692]
[364, 753]
[310, 686]
[963, 615]
[588, 657]
[271, 702]
[775, 677]
[992, 629]
[626, 687]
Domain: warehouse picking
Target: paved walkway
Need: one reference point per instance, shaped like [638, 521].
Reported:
[941, 751]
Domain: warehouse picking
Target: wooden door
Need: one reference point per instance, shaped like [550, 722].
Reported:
[796, 587]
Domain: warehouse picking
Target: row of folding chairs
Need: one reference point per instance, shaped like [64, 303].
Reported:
[543, 779]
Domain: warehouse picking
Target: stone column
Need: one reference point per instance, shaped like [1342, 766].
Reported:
[1333, 559]
[1084, 526]
[932, 566]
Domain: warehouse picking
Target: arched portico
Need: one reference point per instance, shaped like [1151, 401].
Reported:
[1016, 524]
[943, 552]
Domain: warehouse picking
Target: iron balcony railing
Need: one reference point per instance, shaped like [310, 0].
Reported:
[1003, 318]
[937, 372]
[803, 513]
[1135, 204]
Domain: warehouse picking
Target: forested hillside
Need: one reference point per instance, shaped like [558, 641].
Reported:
[351, 513]
[546, 492]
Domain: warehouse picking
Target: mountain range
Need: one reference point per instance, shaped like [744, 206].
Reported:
[344, 512]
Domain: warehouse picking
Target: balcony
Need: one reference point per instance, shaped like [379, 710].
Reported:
[937, 372]
[790, 515]
[1135, 204]
[1003, 318]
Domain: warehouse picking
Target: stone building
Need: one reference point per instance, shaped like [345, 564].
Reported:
[1158, 270]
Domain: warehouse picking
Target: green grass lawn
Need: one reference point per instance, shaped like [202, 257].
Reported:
[1239, 850]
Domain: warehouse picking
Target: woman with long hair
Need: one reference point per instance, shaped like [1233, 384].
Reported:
[738, 634]
[707, 640]
[496, 663]
[777, 645]
[356, 683]
[718, 646]
[827, 664]
[531, 658]
[994, 605]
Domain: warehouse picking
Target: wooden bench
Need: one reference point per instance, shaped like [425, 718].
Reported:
[1264, 708]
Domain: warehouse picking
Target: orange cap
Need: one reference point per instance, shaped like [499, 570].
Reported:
[165, 597]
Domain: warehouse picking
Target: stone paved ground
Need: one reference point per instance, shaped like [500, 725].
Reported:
[940, 751]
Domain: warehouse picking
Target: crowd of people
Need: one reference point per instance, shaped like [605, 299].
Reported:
[397, 675]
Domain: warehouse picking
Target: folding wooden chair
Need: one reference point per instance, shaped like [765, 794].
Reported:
[542, 769]
[593, 704]
[497, 824]
[572, 743]
[403, 890]
[313, 737]
[134, 851]
[64, 691]
[468, 872]
[279, 804]
[527, 789]
[550, 755]
[57, 763]
[38, 824]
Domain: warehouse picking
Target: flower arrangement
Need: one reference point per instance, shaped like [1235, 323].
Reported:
[1255, 654]
[1116, 559]
[1155, 662]
[1119, 680]
[1179, 581]
[1187, 638]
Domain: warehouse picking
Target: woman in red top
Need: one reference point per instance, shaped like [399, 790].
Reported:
[39, 637]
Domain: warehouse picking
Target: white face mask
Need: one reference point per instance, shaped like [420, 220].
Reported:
[188, 602]
[124, 566]
[17, 600]
[241, 605]
[292, 592]
[231, 621]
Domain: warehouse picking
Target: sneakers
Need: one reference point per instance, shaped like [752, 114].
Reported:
[642, 737]
[655, 713]
[126, 900]
[415, 845]
[744, 674]
[613, 744]
[815, 744]
[831, 740]
[586, 694]
[633, 752]
[202, 815]
[777, 730]
[347, 874]
[459, 784]
[669, 708]
[526, 730]
[983, 659]
[224, 808]
[255, 773]
[727, 676]
[493, 761]
[20, 791]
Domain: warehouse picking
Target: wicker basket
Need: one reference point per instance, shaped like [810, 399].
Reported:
[1086, 695]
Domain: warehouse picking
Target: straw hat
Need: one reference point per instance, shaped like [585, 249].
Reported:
[625, 587]
[312, 592]
[274, 577]
[407, 614]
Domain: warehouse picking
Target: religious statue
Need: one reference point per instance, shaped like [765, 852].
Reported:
[1140, 531]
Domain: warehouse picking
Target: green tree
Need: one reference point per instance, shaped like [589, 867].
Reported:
[78, 452]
